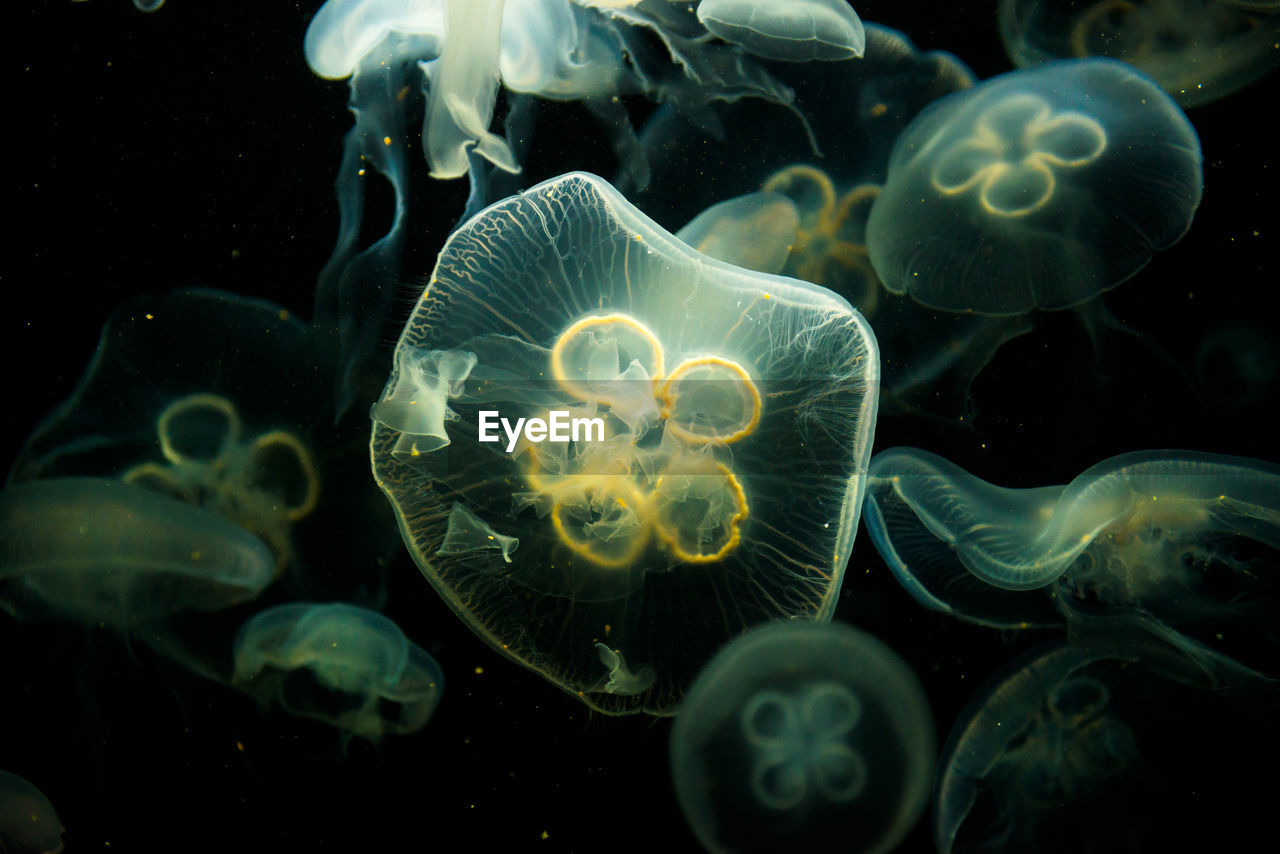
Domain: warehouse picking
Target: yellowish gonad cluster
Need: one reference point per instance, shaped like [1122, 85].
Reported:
[830, 243]
[1011, 158]
[654, 477]
[264, 483]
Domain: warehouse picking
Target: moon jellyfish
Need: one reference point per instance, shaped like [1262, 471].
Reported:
[105, 552]
[1237, 365]
[1105, 745]
[800, 736]
[28, 823]
[1037, 189]
[787, 30]
[1196, 50]
[346, 666]
[457, 53]
[643, 451]
[199, 418]
[1186, 537]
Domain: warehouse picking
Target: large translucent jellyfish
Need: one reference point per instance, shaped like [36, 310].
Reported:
[1187, 537]
[1105, 745]
[110, 553]
[643, 451]
[1196, 50]
[787, 30]
[28, 823]
[347, 666]
[803, 737]
[458, 52]
[856, 111]
[181, 398]
[1037, 189]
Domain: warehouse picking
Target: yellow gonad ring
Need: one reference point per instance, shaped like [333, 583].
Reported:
[595, 351]
[604, 523]
[710, 399]
[703, 489]
[281, 444]
[193, 404]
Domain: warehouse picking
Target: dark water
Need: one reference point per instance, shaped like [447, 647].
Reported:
[193, 148]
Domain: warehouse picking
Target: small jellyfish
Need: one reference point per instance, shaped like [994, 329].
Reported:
[1037, 189]
[1237, 365]
[623, 432]
[111, 553]
[346, 666]
[28, 823]
[787, 30]
[1196, 50]
[1104, 744]
[1180, 535]
[802, 736]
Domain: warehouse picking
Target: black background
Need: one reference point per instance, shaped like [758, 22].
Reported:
[193, 147]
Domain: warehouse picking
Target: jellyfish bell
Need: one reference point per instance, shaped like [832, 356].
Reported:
[1100, 727]
[795, 734]
[1196, 50]
[104, 552]
[347, 666]
[703, 394]
[28, 822]
[1037, 189]
[787, 30]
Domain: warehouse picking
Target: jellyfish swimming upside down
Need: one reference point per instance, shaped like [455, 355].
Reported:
[610, 454]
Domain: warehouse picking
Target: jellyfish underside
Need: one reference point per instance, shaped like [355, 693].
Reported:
[796, 31]
[28, 822]
[1178, 535]
[606, 452]
[804, 735]
[340, 664]
[101, 551]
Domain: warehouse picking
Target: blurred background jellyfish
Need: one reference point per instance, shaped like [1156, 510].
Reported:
[1196, 50]
[28, 823]
[1066, 747]
[1189, 538]
[194, 416]
[109, 553]
[804, 737]
[1036, 190]
[1237, 365]
[349, 667]
[713, 427]
[458, 52]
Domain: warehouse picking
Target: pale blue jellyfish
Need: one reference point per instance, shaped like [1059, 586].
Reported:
[787, 30]
[104, 552]
[806, 737]
[346, 666]
[1187, 537]
[28, 822]
[1105, 744]
[610, 453]
[458, 52]
[1197, 50]
[1037, 189]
